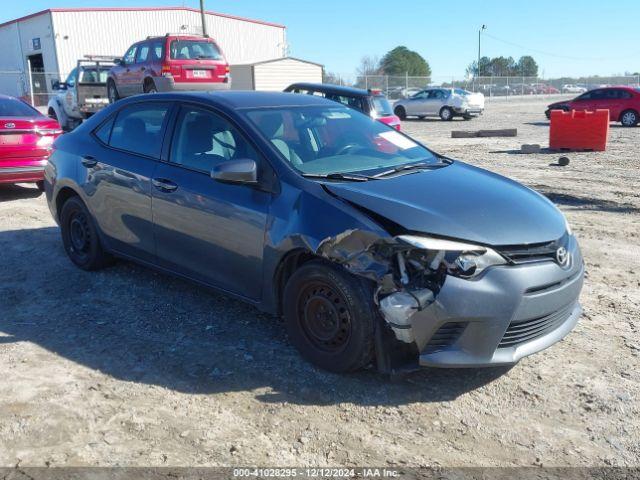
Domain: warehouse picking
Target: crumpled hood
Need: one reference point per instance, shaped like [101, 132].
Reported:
[459, 201]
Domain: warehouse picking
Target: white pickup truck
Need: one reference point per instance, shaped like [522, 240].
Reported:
[83, 93]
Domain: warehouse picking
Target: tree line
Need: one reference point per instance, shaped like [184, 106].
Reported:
[526, 66]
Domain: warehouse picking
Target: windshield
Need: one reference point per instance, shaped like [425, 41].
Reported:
[12, 107]
[93, 75]
[193, 50]
[325, 140]
[382, 106]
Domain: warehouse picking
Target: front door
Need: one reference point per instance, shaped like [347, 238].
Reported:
[417, 105]
[207, 230]
[124, 73]
[119, 168]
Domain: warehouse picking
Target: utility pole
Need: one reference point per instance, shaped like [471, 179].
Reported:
[204, 18]
[484, 27]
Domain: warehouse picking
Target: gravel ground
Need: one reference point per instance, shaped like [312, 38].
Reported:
[130, 367]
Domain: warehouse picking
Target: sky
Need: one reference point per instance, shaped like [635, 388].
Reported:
[566, 37]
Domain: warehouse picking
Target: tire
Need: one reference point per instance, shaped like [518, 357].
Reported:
[40, 185]
[112, 92]
[421, 117]
[80, 236]
[629, 118]
[400, 112]
[52, 115]
[467, 117]
[446, 114]
[150, 87]
[330, 317]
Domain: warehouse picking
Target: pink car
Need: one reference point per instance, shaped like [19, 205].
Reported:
[26, 138]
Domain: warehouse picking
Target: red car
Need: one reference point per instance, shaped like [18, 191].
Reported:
[26, 138]
[171, 62]
[623, 104]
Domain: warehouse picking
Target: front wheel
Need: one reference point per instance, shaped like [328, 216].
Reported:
[80, 236]
[112, 92]
[330, 317]
[446, 114]
[400, 112]
[629, 118]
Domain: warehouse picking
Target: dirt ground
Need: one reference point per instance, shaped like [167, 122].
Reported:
[130, 367]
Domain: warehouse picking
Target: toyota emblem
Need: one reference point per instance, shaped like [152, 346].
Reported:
[10, 125]
[562, 256]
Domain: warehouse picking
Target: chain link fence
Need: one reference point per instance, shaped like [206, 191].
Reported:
[36, 88]
[396, 87]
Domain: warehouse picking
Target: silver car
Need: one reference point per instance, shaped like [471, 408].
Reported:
[445, 103]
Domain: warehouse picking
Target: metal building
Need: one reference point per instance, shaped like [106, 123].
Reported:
[275, 75]
[43, 47]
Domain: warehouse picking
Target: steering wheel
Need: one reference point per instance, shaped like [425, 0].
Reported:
[345, 149]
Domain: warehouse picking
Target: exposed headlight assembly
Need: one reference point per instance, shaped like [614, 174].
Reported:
[464, 260]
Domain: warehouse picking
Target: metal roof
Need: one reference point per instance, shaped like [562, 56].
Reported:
[138, 9]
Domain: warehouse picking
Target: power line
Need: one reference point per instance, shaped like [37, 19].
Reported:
[565, 57]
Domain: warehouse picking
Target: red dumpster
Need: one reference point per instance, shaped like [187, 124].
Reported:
[579, 130]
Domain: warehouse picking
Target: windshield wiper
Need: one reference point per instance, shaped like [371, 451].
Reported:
[413, 166]
[352, 177]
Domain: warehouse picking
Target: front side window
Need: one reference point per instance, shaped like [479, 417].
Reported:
[71, 79]
[421, 95]
[194, 50]
[138, 128]
[322, 140]
[203, 139]
[130, 56]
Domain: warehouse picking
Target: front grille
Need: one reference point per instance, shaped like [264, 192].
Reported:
[445, 336]
[521, 331]
[535, 252]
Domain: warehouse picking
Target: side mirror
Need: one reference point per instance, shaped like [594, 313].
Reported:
[242, 171]
[118, 61]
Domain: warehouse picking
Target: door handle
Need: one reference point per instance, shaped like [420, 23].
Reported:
[164, 185]
[88, 161]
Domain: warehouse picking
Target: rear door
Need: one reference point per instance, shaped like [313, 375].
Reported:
[209, 231]
[437, 99]
[139, 68]
[119, 166]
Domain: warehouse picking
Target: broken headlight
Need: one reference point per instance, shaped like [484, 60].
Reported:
[460, 259]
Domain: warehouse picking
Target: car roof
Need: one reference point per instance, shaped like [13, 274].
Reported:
[240, 99]
[330, 88]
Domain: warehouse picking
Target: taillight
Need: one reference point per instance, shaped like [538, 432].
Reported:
[227, 69]
[166, 69]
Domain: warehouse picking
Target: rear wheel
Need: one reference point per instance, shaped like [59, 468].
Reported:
[446, 114]
[330, 317]
[80, 236]
[467, 117]
[400, 112]
[150, 87]
[629, 118]
[421, 117]
[112, 92]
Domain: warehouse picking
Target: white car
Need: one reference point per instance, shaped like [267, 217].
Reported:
[573, 89]
[445, 103]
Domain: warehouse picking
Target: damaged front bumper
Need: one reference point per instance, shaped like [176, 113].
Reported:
[507, 313]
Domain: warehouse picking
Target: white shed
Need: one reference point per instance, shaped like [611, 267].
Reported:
[275, 74]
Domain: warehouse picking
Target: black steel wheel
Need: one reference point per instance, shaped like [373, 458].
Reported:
[80, 236]
[330, 316]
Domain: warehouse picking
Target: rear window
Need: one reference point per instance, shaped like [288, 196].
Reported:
[12, 107]
[194, 50]
[382, 106]
[459, 91]
[93, 75]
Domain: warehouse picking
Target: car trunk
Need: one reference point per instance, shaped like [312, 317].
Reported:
[475, 101]
[22, 138]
